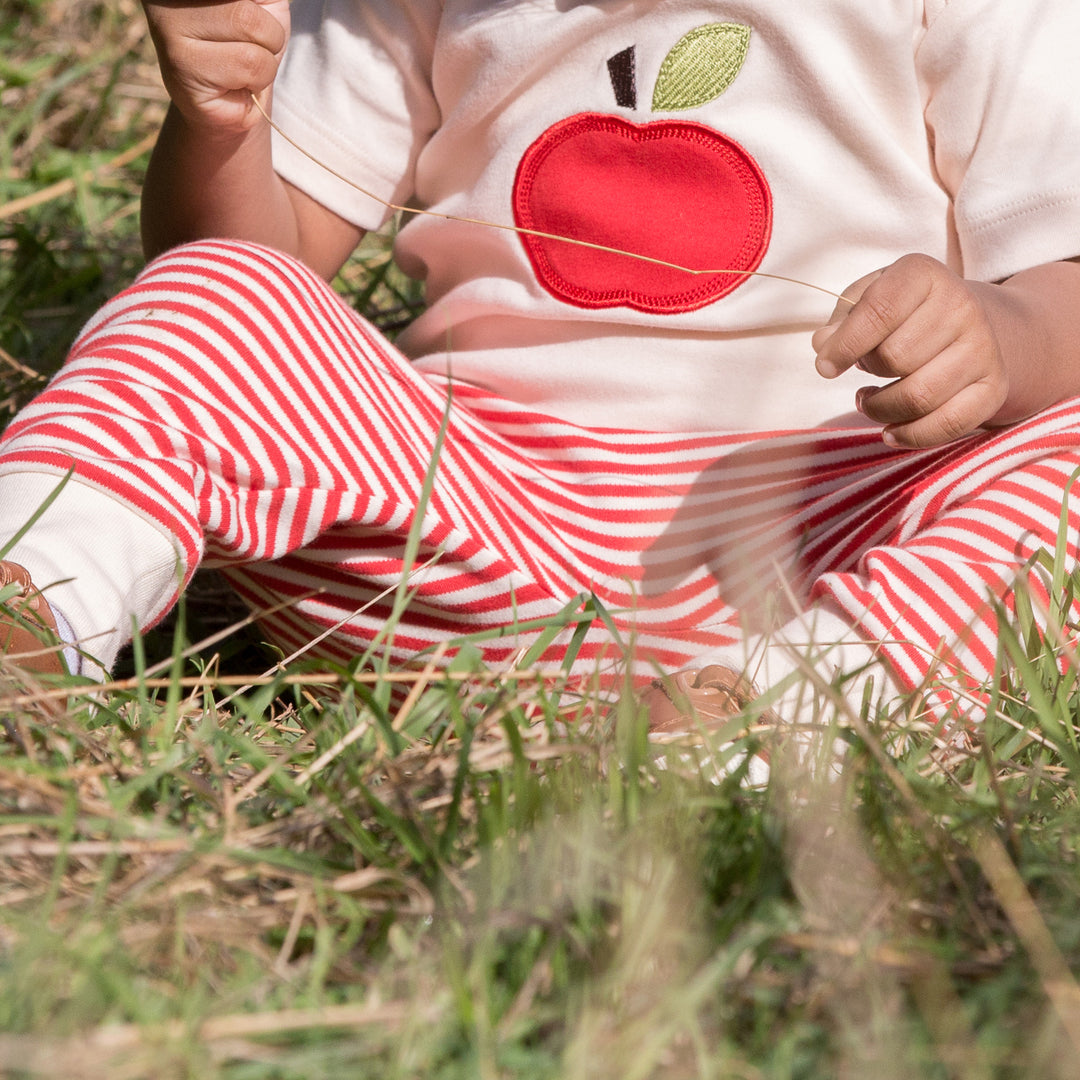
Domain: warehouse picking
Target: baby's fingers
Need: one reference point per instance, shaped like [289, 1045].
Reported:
[918, 392]
[241, 21]
[214, 55]
[945, 425]
[892, 309]
[916, 426]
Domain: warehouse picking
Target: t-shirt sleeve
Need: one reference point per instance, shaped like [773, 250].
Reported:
[1002, 85]
[354, 91]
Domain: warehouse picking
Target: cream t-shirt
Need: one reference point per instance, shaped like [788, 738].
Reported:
[817, 140]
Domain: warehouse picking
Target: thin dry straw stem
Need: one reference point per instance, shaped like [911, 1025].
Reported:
[220, 635]
[420, 680]
[418, 687]
[22, 1051]
[1022, 911]
[22, 369]
[535, 232]
[67, 186]
[889, 955]
[324, 678]
[361, 728]
[281, 964]
[11, 849]
[308, 646]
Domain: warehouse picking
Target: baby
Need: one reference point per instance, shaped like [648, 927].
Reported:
[653, 418]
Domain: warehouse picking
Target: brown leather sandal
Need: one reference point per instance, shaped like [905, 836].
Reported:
[689, 703]
[690, 700]
[28, 634]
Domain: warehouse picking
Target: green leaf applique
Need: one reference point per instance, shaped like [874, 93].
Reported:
[701, 66]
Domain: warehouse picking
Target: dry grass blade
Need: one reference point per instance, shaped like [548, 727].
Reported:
[1023, 913]
[308, 646]
[321, 679]
[93, 1054]
[66, 187]
[51, 848]
[20, 368]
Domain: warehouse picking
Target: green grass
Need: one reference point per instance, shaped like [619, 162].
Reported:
[312, 882]
[302, 879]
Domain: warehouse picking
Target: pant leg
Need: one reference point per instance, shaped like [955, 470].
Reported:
[839, 551]
[230, 399]
[933, 591]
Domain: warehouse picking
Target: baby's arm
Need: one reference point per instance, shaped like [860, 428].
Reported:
[211, 173]
[962, 354]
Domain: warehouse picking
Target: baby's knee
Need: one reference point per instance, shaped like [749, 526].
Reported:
[235, 276]
[207, 305]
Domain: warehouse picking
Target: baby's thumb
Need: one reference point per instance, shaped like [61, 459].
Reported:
[279, 10]
[823, 333]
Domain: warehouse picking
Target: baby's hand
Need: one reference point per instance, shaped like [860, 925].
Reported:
[214, 54]
[928, 329]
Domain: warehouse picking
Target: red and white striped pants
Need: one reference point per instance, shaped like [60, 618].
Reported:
[231, 397]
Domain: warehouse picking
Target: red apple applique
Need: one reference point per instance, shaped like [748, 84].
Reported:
[673, 190]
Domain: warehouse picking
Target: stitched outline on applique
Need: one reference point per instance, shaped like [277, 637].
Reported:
[732, 163]
[701, 65]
